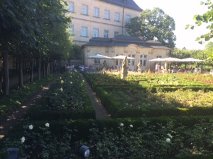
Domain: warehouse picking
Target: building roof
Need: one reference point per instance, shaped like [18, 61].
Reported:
[125, 3]
[123, 40]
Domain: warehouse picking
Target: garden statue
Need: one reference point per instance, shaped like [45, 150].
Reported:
[104, 67]
[139, 67]
[124, 69]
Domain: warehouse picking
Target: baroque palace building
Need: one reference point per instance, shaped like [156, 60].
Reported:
[100, 18]
[99, 27]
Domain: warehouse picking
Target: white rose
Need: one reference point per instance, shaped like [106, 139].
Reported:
[23, 139]
[61, 89]
[31, 127]
[47, 125]
[168, 140]
[121, 124]
[131, 126]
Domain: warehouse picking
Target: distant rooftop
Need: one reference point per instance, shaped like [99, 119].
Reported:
[125, 3]
[122, 40]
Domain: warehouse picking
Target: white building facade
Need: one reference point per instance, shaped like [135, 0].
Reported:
[100, 18]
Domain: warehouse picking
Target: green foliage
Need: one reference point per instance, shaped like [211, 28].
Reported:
[151, 24]
[67, 99]
[121, 138]
[184, 53]
[209, 53]
[75, 52]
[205, 18]
[17, 97]
[34, 28]
[206, 54]
[155, 94]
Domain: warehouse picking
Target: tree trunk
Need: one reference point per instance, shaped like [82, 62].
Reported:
[32, 71]
[5, 85]
[39, 68]
[21, 81]
[44, 69]
[48, 68]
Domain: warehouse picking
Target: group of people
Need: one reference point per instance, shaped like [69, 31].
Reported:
[174, 69]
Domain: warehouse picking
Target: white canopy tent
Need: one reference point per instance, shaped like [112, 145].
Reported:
[99, 56]
[191, 60]
[167, 59]
[122, 57]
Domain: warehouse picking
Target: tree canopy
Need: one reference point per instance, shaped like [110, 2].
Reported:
[153, 24]
[209, 52]
[205, 18]
[206, 54]
[33, 25]
[32, 31]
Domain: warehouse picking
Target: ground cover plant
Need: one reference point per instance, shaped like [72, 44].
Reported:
[155, 95]
[15, 100]
[179, 80]
[119, 138]
[43, 135]
[67, 98]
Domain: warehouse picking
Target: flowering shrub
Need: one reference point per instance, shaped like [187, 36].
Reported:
[142, 138]
[68, 98]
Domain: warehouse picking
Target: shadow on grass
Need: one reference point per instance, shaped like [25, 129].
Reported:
[130, 99]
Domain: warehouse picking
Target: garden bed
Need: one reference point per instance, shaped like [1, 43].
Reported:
[67, 99]
[179, 97]
[161, 138]
[17, 97]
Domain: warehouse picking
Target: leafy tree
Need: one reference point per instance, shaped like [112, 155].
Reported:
[151, 24]
[75, 52]
[184, 53]
[205, 18]
[209, 53]
[31, 30]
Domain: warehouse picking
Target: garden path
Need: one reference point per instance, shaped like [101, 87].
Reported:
[17, 116]
[100, 111]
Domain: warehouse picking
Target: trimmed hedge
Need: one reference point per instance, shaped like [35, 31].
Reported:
[117, 110]
[133, 99]
[153, 138]
[66, 99]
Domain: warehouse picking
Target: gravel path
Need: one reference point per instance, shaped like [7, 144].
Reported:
[100, 111]
[17, 116]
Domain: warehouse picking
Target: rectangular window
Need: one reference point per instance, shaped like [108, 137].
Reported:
[116, 61]
[84, 9]
[133, 60]
[71, 7]
[97, 61]
[96, 12]
[127, 18]
[117, 17]
[143, 60]
[106, 14]
[116, 33]
[129, 61]
[84, 31]
[106, 33]
[95, 32]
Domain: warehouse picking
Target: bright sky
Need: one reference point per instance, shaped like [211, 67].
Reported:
[183, 12]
